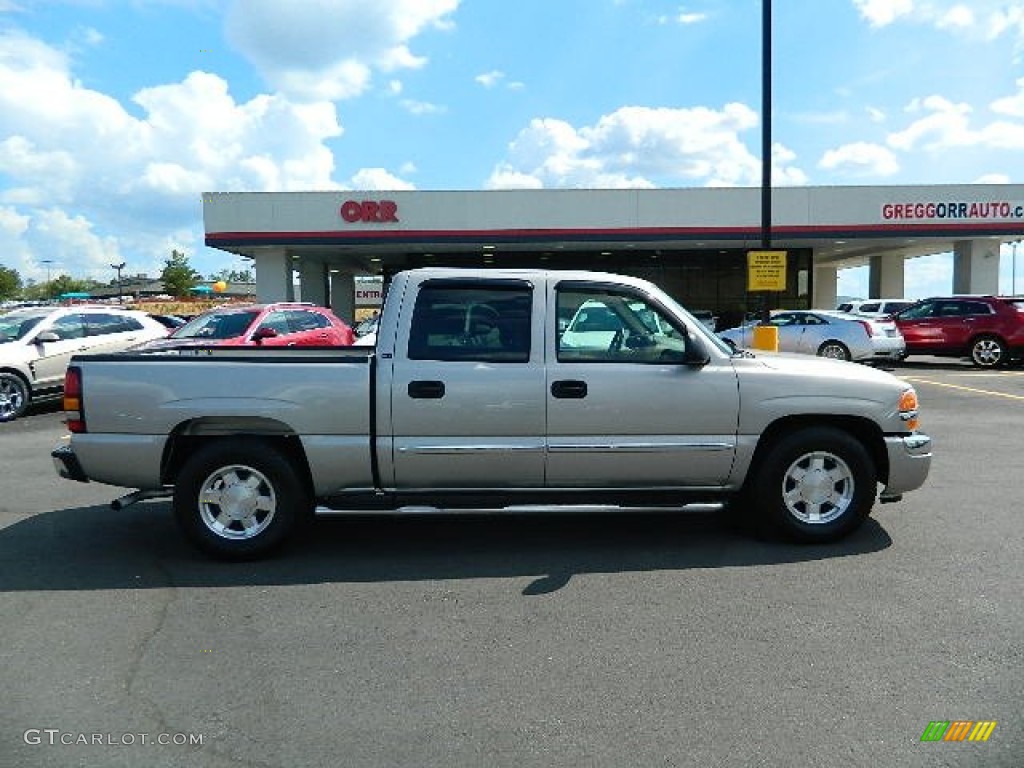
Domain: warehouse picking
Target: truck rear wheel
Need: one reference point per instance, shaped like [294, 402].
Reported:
[239, 499]
[816, 484]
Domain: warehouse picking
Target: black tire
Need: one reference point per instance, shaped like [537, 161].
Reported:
[988, 352]
[14, 396]
[814, 485]
[240, 499]
[835, 350]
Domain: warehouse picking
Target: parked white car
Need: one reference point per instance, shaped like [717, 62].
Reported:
[36, 345]
[828, 334]
[366, 332]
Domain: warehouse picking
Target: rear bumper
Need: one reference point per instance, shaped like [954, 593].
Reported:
[888, 348]
[910, 458]
[66, 463]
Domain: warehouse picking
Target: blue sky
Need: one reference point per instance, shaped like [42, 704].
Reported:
[116, 115]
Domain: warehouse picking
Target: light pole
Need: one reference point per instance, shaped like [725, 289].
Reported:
[49, 285]
[118, 268]
[766, 124]
[1013, 268]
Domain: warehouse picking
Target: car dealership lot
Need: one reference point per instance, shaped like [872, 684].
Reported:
[562, 640]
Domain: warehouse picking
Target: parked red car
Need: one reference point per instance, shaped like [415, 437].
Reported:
[269, 325]
[988, 329]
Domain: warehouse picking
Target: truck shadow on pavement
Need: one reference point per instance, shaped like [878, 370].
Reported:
[96, 548]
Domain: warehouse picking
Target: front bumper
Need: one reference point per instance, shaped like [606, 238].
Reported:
[910, 458]
[66, 463]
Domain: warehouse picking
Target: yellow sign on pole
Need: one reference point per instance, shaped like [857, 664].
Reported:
[766, 270]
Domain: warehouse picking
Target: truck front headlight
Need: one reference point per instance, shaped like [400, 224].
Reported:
[908, 409]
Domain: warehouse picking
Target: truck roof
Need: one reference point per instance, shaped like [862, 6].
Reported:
[424, 273]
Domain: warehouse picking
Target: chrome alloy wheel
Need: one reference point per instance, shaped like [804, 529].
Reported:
[834, 350]
[237, 502]
[987, 353]
[12, 397]
[817, 488]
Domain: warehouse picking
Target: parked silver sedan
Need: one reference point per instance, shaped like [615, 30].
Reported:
[828, 334]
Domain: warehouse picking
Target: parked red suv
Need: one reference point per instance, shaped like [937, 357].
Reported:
[269, 325]
[988, 329]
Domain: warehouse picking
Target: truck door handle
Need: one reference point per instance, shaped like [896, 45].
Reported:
[569, 389]
[426, 390]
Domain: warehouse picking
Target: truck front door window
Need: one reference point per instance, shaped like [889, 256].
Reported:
[607, 327]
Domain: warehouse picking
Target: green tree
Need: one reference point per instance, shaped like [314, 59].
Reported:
[234, 276]
[10, 283]
[45, 291]
[178, 276]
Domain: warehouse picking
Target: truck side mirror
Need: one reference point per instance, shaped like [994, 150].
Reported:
[46, 337]
[696, 353]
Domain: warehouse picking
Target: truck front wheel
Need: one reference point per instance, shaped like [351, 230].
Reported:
[239, 499]
[816, 484]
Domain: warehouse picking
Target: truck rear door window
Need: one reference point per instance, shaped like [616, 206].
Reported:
[483, 323]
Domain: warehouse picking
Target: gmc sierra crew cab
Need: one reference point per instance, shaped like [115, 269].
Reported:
[494, 389]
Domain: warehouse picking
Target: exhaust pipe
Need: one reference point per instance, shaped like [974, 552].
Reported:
[126, 501]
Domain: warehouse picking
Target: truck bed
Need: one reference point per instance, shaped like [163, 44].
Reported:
[136, 402]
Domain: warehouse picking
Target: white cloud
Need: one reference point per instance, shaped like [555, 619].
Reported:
[980, 19]
[876, 115]
[1012, 106]
[691, 18]
[12, 223]
[860, 159]
[378, 179]
[490, 79]
[992, 178]
[945, 125]
[928, 276]
[683, 17]
[957, 17]
[881, 13]
[639, 147]
[80, 166]
[330, 51]
[414, 107]
[784, 173]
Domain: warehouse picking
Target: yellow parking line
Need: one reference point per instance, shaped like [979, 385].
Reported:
[992, 373]
[965, 389]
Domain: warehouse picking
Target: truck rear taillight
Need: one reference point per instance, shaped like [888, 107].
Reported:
[74, 415]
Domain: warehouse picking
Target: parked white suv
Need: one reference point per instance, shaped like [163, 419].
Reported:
[875, 307]
[36, 344]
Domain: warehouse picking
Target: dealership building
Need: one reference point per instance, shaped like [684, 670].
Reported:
[692, 242]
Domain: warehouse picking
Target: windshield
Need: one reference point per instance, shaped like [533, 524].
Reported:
[14, 327]
[216, 325]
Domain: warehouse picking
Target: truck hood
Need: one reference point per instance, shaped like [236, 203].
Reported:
[775, 385]
[820, 368]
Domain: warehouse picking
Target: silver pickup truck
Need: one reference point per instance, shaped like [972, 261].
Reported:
[495, 389]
